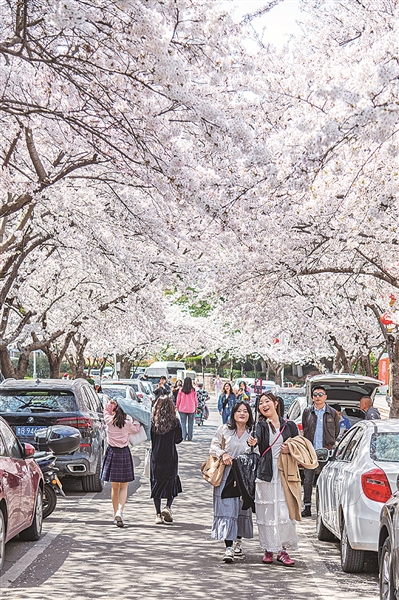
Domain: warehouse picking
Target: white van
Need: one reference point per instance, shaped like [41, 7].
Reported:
[167, 369]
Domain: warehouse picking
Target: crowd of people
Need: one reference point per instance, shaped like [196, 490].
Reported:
[273, 447]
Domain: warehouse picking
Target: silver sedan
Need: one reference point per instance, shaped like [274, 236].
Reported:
[357, 480]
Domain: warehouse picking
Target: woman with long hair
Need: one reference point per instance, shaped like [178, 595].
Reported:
[175, 390]
[230, 522]
[166, 432]
[186, 404]
[277, 532]
[226, 402]
[244, 394]
[118, 464]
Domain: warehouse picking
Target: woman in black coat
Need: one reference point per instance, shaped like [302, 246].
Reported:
[166, 432]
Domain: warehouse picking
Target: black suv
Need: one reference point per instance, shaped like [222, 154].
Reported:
[30, 405]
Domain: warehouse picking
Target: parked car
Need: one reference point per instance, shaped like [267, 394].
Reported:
[346, 390]
[21, 490]
[149, 390]
[358, 478]
[388, 543]
[290, 395]
[29, 405]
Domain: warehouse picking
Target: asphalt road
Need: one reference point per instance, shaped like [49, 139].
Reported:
[82, 555]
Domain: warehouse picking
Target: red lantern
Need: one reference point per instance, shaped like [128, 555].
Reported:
[275, 341]
[386, 319]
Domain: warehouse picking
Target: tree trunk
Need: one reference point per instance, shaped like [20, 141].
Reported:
[231, 369]
[126, 365]
[23, 363]
[7, 368]
[278, 372]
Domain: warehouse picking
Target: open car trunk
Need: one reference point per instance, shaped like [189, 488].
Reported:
[346, 390]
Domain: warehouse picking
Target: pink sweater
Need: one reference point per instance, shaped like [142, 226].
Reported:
[186, 403]
[116, 436]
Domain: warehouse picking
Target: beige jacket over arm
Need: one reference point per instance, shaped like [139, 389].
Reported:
[301, 452]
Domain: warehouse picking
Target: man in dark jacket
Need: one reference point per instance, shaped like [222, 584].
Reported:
[320, 424]
[371, 413]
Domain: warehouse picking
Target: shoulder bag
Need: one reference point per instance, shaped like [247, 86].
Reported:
[213, 468]
[136, 438]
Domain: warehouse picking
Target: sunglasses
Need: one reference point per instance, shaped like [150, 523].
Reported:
[318, 395]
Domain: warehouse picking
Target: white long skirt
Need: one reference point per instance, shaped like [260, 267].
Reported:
[276, 529]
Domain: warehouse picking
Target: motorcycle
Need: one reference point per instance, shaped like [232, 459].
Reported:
[52, 484]
[49, 442]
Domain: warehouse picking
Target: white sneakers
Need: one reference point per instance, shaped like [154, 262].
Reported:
[158, 520]
[167, 515]
[229, 555]
[119, 518]
[238, 553]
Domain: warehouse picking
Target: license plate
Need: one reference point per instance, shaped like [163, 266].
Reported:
[27, 430]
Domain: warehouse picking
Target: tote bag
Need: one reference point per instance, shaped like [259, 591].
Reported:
[137, 438]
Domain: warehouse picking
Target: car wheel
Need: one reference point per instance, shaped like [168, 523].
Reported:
[93, 483]
[2, 538]
[352, 561]
[386, 579]
[49, 500]
[33, 533]
[323, 534]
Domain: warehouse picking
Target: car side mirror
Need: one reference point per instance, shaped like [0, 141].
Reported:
[322, 454]
[28, 449]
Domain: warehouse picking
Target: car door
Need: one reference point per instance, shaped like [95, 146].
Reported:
[17, 481]
[345, 490]
[329, 480]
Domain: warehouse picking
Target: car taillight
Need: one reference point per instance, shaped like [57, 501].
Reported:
[79, 422]
[376, 486]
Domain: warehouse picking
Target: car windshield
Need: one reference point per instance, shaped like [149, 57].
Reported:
[115, 392]
[385, 446]
[37, 401]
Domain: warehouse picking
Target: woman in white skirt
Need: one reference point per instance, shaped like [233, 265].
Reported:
[230, 522]
[277, 532]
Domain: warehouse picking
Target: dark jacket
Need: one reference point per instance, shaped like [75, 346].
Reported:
[330, 425]
[265, 466]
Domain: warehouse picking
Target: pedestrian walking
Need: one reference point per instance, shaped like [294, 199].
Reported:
[175, 390]
[166, 432]
[218, 386]
[244, 394]
[226, 402]
[230, 522]
[371, 413]
[186, 404]
[277, 531]
[320, 424]
[117, 465]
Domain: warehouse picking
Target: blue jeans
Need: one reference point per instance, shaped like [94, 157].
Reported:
[187, 425]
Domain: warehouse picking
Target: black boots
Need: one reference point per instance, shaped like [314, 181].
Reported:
[306, 512]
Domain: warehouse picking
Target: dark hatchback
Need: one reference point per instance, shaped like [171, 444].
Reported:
[31, 405]
[388, 548]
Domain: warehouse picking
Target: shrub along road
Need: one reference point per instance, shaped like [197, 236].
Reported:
[83, 556]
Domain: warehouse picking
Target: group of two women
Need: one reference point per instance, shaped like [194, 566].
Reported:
[117, 468]
[231, 523]
[228, 398]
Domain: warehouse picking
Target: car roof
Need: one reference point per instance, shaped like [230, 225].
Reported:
[342, 378]
[32, 384]
[382, 425]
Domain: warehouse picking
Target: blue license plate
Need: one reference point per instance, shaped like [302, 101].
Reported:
[27, 430]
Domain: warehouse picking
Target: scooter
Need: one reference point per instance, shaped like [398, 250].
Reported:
[202, 413]
[49, 442]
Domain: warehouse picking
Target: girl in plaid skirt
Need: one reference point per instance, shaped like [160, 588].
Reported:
[117, 464]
